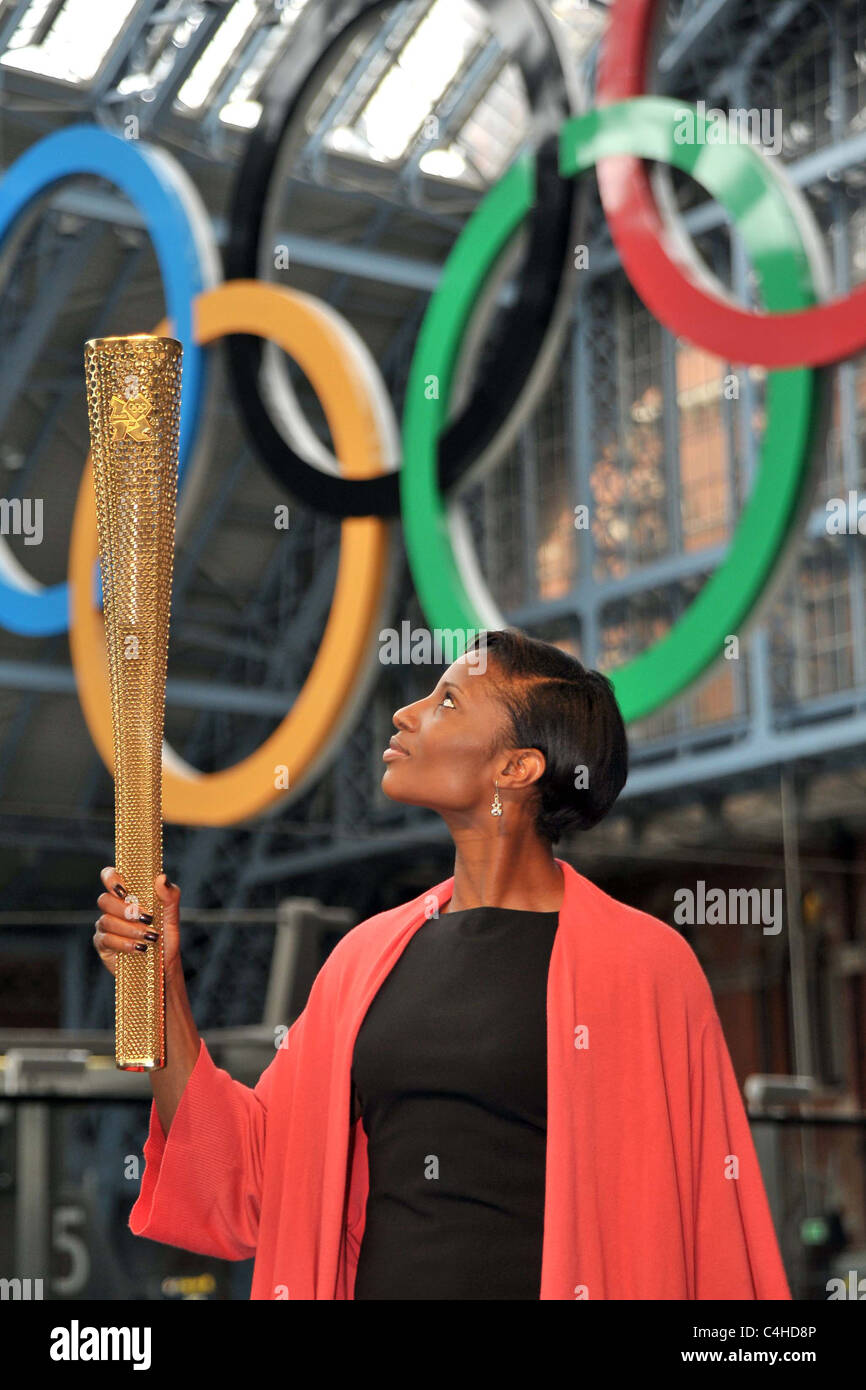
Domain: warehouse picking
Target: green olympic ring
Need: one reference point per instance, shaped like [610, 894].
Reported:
[451, 591]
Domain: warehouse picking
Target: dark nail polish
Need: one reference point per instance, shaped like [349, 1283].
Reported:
[152, 935]
[145, 917]
[141, 945]
[120, 890]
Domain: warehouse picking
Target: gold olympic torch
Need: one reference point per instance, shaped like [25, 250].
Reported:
[133, 402]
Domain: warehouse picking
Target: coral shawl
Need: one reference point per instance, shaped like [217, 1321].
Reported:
[653, 1189]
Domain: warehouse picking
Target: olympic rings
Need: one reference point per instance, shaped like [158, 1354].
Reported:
[346, 380]
[786, 250]
[180, 230]
[668, 284]
[530, 329]
[447, 581]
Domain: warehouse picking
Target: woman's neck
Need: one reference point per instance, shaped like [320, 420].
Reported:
[491, 876]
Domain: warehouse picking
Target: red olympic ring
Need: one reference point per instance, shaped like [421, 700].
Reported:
[661, 273]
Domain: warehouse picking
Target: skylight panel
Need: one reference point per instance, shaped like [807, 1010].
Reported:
[30, 23]
[228, 38]
[77, 41]
[426, 65]
[242, 109]
[583, 23]
[154, 74]
[444, 164]
[496, 127]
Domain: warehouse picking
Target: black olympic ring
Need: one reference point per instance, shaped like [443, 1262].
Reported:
[527, 329]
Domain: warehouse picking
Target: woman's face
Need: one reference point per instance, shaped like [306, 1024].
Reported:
[448, 764]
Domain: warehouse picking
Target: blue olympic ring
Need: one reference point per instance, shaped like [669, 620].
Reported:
[187, 265]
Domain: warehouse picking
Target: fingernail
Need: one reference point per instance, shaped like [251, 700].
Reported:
[141, 945]
[145, 917]
[120, 890]
[152, 935]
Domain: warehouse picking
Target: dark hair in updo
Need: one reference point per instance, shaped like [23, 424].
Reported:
[570, 715]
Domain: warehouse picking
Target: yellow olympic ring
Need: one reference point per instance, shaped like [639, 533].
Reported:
[342, 373]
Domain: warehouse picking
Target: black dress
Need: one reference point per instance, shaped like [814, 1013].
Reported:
[450, 1068]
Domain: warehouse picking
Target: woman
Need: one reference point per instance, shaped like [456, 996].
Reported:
[511, 1087]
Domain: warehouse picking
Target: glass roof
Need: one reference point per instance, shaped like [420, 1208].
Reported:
[441, 59]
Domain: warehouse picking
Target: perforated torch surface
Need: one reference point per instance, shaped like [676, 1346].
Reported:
[133, 400]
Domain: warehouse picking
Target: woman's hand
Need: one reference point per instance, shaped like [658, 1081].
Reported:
[123, 926]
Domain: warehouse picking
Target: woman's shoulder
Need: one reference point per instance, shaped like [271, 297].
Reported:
[364, 944]
[642, 943]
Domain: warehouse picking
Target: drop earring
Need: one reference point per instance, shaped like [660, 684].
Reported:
[496, 808]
